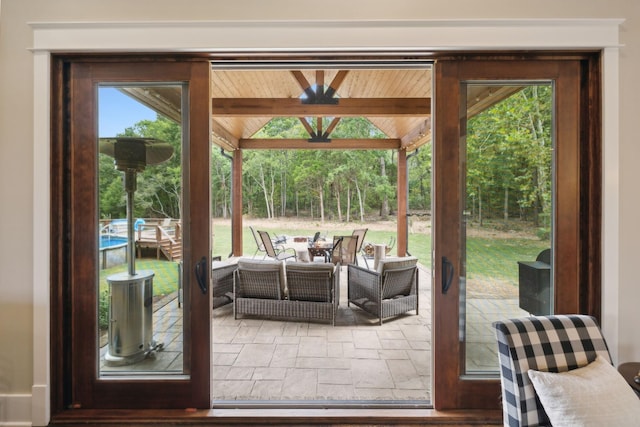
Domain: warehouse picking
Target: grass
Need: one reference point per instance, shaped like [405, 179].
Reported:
[165, 279]
[498, 258]
[487, 258]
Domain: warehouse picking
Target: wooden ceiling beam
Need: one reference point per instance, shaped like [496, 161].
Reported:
[336, 82]
[335, 144]
[303, 82]
[347, 107]
[307, 126]
[417, 136]
[223, 138]
[331, 127]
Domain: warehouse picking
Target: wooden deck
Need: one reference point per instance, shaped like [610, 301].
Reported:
[162, 234]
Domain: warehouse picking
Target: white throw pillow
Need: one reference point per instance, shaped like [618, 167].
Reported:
[594, 395]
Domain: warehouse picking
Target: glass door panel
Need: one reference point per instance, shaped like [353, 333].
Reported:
[139, 236]
[506, 213]
[137, 198]
[506, 167]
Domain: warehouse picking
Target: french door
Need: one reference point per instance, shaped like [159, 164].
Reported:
[110, 334]
[473, 155]
[179, 91]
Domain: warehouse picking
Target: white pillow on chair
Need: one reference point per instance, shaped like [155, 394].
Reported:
[594, 395]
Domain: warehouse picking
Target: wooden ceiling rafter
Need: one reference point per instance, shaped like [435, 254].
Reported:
[336, 144]
[348, 107]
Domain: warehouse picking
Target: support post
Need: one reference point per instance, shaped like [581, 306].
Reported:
[236, 204]
[402, 242]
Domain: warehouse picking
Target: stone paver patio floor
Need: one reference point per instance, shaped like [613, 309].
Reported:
[257, 360]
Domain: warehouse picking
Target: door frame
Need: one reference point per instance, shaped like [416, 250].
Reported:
[383, 36]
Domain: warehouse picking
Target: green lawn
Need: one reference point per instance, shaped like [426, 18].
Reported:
[498, 258]
[165, 279]
[486, 257]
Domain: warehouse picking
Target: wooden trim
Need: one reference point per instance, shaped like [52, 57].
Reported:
[446, 234]
[61, 304]
[279, 417]
[346, 107]
[567, 244]
[591, 188]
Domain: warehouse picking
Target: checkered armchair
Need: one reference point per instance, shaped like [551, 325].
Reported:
[547, 343]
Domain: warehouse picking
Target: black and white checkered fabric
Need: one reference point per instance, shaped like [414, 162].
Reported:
[546, 343]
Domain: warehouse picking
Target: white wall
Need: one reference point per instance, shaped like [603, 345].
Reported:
[17, 165]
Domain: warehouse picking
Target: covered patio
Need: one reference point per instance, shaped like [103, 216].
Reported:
[246, 95]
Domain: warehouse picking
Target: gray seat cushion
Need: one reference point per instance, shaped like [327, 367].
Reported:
[392, 263]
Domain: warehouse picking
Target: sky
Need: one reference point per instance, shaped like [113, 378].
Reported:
[117, 112]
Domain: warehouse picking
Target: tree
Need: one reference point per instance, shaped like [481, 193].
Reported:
[509, 156]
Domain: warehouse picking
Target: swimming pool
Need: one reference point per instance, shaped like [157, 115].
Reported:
[113, 250]
[109, 241]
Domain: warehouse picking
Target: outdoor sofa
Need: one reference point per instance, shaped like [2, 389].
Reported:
[286, 290]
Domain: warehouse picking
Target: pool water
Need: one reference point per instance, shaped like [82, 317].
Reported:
[108, 241]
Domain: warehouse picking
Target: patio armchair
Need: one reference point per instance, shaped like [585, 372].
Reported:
[277, 252]
[389, 291]
[222, 283]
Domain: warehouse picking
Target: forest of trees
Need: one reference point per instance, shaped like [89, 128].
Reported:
[509, 156]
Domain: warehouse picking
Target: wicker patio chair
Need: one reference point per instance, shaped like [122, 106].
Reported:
[276, 252]
[390, 291]
[222, 283]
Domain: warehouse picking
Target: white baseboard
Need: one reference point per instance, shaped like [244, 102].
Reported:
[15, 410]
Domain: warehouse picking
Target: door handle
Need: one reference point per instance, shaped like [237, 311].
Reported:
[447, 274]
[201, 274]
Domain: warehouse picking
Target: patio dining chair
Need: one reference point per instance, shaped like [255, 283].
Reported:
[344, 250]
[277, 252]
[277, 240]
[360, 233]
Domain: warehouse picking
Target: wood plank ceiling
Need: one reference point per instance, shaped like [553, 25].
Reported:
[396, 101]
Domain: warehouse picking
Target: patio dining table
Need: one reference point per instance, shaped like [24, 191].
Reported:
[320, 249]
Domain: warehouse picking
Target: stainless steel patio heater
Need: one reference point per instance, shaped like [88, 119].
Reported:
[131, 293]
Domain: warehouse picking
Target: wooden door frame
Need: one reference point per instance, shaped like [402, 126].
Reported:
[73, 262]
[577, 244]
[60, 382]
